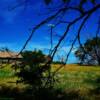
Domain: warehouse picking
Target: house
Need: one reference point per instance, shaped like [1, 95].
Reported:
[9, 57]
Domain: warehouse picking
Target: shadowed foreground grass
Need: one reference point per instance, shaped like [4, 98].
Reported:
[75, 83]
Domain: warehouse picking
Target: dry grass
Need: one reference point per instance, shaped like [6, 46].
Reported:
[72, 79]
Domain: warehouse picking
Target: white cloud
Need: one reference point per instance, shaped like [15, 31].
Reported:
[66, 49]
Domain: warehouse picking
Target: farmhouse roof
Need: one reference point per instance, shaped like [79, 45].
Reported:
[9, 55]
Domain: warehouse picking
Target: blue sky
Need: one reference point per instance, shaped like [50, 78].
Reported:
[15, 27]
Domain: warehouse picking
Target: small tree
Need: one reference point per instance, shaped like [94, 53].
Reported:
[90, 53]
[33, 71]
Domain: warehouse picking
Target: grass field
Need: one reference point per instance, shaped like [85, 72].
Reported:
[73, 79]
[84, 80]
[79, 77]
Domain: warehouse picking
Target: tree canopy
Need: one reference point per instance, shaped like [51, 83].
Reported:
[30, 67]
[92, 52]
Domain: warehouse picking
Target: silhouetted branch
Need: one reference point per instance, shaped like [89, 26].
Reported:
[77, 37]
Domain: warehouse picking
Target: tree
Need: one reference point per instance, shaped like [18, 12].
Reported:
[30, 67]
[31, 71]
[92, 52]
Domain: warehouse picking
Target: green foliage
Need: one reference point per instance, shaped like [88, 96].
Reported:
[91, 54]
[29, 69]
[92, 44]
[33, 58]
[34, 71]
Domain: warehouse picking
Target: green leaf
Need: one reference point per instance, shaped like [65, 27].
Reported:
[47, 2]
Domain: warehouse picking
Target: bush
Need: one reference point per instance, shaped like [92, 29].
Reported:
[33, 71]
